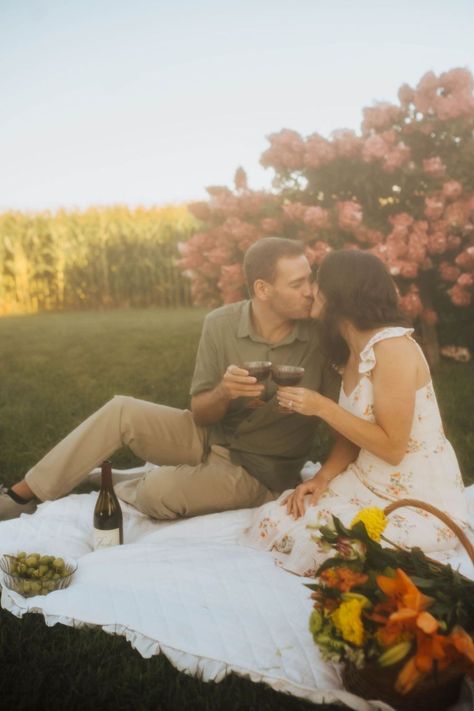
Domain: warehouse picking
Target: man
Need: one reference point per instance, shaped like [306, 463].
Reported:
[220, 455]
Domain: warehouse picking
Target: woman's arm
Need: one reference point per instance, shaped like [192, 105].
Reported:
[394, 380]
[340, 456]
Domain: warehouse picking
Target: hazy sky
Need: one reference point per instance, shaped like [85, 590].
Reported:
[148, 101]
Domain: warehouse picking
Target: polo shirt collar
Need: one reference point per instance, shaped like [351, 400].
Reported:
[300, 330]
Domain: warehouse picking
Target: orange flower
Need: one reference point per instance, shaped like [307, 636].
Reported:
[408, 677]
[462, 643]
[407, 620]
[405, 594]
[344, 579]
[455, 648]
[431, 648]
[392, 634]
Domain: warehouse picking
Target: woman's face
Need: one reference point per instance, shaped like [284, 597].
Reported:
[318, 303]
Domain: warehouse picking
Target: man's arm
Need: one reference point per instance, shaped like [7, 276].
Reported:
[210, 406]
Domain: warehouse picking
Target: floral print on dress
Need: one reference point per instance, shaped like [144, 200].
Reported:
[396, 487]
[309, 573]
[397, 520]
[429, 472]
[266, 526]
[440, 444]
[429, 393]
[368, 413]
[414, 445]
[443, 534]
[284, 544]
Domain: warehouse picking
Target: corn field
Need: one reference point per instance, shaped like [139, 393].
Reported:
[109, 257]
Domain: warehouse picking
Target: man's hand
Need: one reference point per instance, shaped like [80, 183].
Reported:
[238, 383]
[210, 406]
[295, 504]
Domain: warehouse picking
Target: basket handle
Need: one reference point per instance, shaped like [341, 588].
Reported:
[439, 514]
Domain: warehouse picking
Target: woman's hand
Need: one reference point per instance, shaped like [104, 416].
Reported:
[302, 400]
[295, 504]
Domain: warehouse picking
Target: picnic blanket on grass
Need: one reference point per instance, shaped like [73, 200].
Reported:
[186, 589]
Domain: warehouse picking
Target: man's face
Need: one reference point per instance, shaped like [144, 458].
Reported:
[291, 295]
[318, 303]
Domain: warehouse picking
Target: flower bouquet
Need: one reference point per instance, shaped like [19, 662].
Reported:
[400, 622]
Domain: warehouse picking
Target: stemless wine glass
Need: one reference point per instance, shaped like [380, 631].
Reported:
[259, 369]
[285, 375]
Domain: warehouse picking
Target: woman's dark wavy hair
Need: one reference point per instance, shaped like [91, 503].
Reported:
[356, 287]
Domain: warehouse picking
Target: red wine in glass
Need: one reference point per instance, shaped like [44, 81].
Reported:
[259, 369]
[285, 375]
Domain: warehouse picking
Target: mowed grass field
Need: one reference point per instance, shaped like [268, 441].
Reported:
[55, 369]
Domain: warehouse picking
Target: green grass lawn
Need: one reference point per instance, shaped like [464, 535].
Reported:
[55, 369]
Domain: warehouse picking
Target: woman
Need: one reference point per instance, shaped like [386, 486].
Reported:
[390, 445]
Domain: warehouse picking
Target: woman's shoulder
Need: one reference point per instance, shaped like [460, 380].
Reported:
[387, 344]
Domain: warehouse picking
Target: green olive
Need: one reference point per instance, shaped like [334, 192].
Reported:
[58, 563]
[32, 561]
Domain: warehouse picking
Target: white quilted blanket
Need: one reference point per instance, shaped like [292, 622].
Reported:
[186, 589]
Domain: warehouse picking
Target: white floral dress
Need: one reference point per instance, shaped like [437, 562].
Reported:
[429, 471]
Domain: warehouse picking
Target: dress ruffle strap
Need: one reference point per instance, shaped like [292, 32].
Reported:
[367, 358]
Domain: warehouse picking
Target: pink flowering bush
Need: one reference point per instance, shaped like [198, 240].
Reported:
[402, 188]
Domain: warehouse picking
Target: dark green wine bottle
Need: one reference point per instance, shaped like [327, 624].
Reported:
[108, 522]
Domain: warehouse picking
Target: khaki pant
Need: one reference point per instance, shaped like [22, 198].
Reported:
[187, 482]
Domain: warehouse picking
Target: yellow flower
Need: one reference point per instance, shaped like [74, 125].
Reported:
[347, 620]
[374, 521]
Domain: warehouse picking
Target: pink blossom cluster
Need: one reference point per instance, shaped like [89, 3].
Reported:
[434, 167]
[317, 218]
[368, 236]
[346, 143]
[449, 96]
[318, 151]
[349, 215]
[452, 190]
[294, 211]
[410, 303]
[231, 283]
[404, 248]
[286, 152]
[400, 189]
[380, 116]
[289, 152]
[385, 148]
[317, 252]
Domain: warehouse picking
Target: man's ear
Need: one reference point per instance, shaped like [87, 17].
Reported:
[261, 289]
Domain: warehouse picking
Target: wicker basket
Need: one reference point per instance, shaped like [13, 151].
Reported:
[435, 692]
[430, 694]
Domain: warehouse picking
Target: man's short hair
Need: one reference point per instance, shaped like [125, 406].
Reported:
[260, 261]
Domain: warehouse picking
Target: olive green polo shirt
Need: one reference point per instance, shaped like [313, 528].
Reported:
[270, 445]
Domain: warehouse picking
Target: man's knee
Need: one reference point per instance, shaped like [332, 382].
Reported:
[128, 407]
[121, 401]
[159, 492]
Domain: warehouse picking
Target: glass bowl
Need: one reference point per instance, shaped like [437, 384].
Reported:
[49, 576]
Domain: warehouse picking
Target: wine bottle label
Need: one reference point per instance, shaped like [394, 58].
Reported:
[105, 539]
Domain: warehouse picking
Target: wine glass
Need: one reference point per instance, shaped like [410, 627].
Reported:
[285, 375]
[259, 369]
